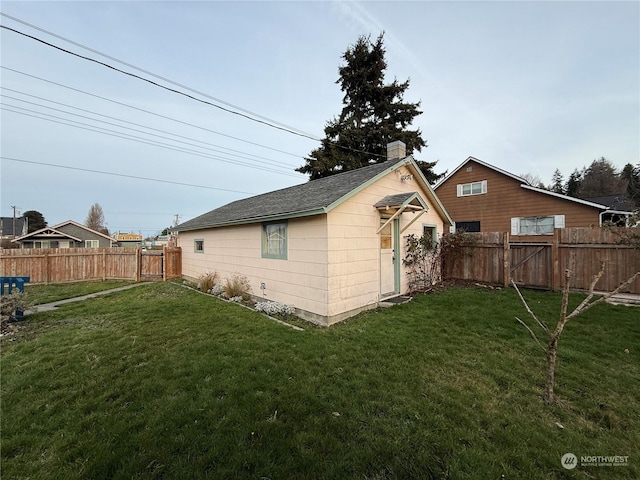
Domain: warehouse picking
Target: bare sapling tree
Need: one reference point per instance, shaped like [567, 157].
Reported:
[553, 336]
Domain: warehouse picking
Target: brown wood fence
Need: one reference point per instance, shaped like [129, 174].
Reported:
[60, 265]
[497, 258]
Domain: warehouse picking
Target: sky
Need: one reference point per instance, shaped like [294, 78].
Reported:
[529, 87]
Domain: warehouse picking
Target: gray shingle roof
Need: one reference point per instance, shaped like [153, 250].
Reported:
[614, 202]
[307, 199]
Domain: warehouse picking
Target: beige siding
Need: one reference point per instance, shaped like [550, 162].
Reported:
[300, 280]
[354, 248]
[333, 265]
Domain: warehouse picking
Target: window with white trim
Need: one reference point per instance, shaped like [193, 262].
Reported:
[472, 188]
[536, 225]
[198, 245]
[274, 240]
[91, 243]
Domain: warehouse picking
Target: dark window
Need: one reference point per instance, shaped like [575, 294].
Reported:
[473, 226]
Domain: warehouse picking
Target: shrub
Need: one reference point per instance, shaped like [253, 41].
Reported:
[12, 302]
[274, 308]
[237, 286]
[207, 281]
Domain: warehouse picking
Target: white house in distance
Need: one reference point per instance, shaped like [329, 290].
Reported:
[331, 247]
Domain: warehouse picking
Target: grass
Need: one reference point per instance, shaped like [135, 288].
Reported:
[162, 382]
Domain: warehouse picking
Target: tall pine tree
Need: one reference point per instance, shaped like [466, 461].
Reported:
[557, 182]
[374, 114]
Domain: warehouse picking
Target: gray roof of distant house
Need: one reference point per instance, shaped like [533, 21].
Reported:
[310, 198]
[619, 202]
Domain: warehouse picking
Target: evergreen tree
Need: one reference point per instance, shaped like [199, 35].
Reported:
[557, 182]
[572, 187]
[374, 114]
[35, 220]
[631, 175]
[601, 179]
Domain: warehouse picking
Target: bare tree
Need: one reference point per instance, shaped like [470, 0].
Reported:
[95, 219]
[553, 336]
[533, 180]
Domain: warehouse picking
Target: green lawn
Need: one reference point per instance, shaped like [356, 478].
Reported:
[161, 382]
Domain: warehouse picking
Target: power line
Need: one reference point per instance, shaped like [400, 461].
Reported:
[152, 113]
[274, 163]
[126, 136]
[309, 135]
[122, 175]
[169, 89]
[268, 122]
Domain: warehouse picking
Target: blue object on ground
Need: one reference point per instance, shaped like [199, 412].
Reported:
[11, 282]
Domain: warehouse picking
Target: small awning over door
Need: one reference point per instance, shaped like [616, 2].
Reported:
[398, 204]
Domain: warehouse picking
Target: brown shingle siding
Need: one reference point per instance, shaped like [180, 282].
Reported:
[505, 198]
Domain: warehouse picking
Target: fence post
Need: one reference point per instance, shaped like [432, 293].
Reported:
[164, 263]
[46, 268]
[138, 263]
[104, 264]
[506, 261]
[555, 260]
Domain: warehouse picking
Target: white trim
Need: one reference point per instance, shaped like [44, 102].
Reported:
[484, 164]
[460, 188]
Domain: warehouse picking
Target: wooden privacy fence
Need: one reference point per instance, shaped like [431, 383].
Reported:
[497, 258]
[59, 265]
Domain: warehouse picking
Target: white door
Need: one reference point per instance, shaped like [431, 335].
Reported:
[387, 260]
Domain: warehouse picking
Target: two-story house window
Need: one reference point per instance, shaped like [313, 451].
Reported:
[472, 188]
[536, 225]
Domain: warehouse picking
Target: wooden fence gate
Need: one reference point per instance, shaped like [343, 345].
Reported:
[497, 259]
[151, 265]
[531, 264]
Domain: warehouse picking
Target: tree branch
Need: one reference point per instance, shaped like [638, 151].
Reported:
[603, 298]
[532, 334]
[592, 287]
[542, 325]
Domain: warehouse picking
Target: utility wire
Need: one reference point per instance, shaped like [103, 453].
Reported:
[122, 175]
[275, 165]
[308, 135]
[268, 123]
[159, 85]
[113, 133]
[238, 153]
[153, 113]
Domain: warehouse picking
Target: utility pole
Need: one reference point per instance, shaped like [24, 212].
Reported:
[14, 221]
[176, 220]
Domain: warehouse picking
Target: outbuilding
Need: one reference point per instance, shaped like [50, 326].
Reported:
[331, 247]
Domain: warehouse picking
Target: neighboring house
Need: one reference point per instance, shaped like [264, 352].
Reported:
[128, 239]
[619, 207]
[331, 247]
[67, 234]
[484, 198]
[13, 227]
